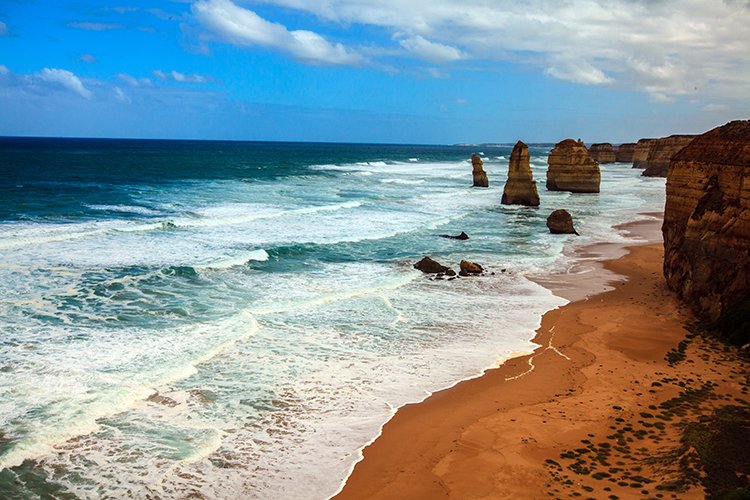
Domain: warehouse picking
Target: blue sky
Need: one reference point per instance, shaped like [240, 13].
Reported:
[406, 71]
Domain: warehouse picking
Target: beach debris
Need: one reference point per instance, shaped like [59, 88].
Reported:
[429, 266]
[520, 188]
[571, 168]
[469, 268]
[561, 222]
[462, 236]
[477, 170]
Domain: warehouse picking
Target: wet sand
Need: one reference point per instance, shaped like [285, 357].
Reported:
[596, 411]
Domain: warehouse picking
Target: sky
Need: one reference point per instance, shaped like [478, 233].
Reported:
[387, 71]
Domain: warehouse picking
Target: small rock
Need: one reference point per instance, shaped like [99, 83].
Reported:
[429, 266]
[462, 236]
[561, 222]
[450, 272]
[469, 268]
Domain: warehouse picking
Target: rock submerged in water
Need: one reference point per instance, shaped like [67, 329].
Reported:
[520, 188]
[470, 268]
[477, 170]
[602, 152]
[429, 266]
[707, 221]
[462, 236]
[561, 222]
[572, 169]
[660, 154]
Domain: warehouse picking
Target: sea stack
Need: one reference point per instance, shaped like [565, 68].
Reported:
[707, 221]
[660, 153]
[640, 155]
[477, 170]
[572, 169]
[602, 152]
[561, 222]
[521, 187]
[624, 152]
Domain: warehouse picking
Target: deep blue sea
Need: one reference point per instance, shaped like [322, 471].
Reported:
[238, 319]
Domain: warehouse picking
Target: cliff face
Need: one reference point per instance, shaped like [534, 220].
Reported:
[661, 152]
[572, 169]
[602, 152]
[707, 220]
[624, 152]
[477, 170]
[640, 155]
[520, 188]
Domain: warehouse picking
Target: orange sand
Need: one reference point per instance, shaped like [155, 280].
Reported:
[502, 435]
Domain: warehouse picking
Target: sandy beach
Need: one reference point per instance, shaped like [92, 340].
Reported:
[597, 411]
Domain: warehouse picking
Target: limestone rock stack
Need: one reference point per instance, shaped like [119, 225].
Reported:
[661, 152]
[602, 152]
[572, 169]
[707, 220]
[561, 222]
[520, 188]
[640, 155]
[624, 152]
[477, 170]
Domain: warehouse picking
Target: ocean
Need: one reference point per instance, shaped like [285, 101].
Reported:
[213, 319]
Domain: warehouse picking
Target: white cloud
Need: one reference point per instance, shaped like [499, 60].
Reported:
[3, 29]
[120, 95]
[4, 70]
[243, 27]
[182, 77]
[91, 26]
[87, 58]
[431, 51]
[716, 108]
[65, 79]
[665, 48]
[132, 81]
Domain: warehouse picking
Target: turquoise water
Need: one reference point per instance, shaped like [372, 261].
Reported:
[224, 317]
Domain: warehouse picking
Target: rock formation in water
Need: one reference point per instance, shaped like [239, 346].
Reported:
[640, 155]
[707, 221]
[572, 169]
[624, 152]
[462, 236]
[660, 153]
[477, 170]
[561, 222]
[468, 268]
[521, 187]
[602, 152]
[429, 266]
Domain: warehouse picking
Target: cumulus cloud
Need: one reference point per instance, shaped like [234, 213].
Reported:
[4, 70]
[667, 48]
[236, 25]
[133, 81]
[92, 26]
[120, 95]
[431, 51]
[65, 79]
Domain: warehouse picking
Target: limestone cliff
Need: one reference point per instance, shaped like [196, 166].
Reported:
[520, 188]
[707, 220]
[572, 169]
[640, 155]
[661, 152]
[477, 170]
[624, 152]
[602, 152]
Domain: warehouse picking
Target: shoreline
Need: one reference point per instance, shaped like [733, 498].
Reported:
[587, 258]
[497, 434]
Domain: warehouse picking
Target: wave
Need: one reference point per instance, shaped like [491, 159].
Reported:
[402, 181]
[256, 255]
[129, 209]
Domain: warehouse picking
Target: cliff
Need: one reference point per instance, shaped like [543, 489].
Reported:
[707, 221]
[520, 188]
[477, 170]
[640, 155]
[602, 152]
[624, 152]
[661, 152]
[572, 169]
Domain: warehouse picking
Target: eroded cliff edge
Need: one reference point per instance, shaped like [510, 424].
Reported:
[707, 221]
